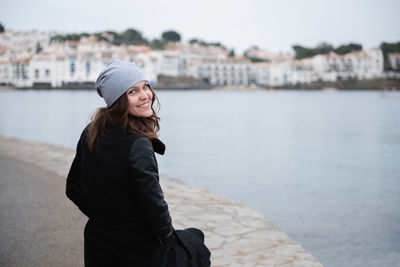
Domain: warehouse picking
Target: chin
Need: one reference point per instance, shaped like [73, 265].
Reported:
[146, 115]
[141, 113]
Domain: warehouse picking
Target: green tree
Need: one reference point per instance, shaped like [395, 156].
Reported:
[231, 53]
[303, 52]
[389, 48]
[158, 44]
[100, 37]
[57, 38]
[116, 37]
[217, 44]
[344, 49]
[73, 37]
[171, 36]
[132, 36]
[1, 28]
[204, 43]
[198, 41]
[256, 59]
[323, 48]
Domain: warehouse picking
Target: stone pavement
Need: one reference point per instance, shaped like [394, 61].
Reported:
[235, 234]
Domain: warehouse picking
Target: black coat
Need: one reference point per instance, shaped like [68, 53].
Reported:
[117, 187]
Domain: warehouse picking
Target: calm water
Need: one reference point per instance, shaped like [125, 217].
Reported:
[323, 166]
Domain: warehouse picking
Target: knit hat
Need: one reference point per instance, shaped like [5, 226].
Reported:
[117, 77]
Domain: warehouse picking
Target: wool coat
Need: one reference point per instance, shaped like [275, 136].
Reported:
[117, 187]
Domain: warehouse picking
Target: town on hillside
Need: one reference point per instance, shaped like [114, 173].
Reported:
[36, 59]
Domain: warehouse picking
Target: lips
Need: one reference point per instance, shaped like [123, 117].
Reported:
[145, 105]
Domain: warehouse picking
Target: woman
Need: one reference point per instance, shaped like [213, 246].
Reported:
[114, 181]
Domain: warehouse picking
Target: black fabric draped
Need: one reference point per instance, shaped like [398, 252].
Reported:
[117, 187]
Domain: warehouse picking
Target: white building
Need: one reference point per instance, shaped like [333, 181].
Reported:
[154, 63]
[261, 73]
[24, 42]
[289, 72]
[279, 73]
[175, 60]
[67, 63]
[60, 70]
[301, 72]
[358, 65]
[394, 60]
[150, 64]
[5, 72]
[235, 71]
[170, 63]
[365, 65]
[20, 72]
[268, 56]
[196, 50]
[327, 67]
[76, 63]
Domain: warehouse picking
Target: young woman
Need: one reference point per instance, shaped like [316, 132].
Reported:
[114, 181]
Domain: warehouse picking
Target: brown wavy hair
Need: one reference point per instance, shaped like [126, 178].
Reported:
[118, 116]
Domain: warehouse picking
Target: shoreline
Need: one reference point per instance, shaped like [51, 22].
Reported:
[235, 233]
[344, 85]
[242, 89]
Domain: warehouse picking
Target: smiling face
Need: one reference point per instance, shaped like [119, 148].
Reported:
[140, 98]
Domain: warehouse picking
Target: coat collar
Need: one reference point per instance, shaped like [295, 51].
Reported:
[158, 146]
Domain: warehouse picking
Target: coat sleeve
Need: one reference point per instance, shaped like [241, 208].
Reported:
[74, 180]
[143, 172]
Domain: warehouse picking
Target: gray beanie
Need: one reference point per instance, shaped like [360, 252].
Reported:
[117, 77]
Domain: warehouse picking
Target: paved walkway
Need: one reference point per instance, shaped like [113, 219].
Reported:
[38, 226]
[235, 234]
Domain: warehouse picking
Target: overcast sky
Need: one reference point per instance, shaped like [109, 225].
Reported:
[273, 25]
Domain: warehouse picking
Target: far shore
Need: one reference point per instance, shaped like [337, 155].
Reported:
[345, 85]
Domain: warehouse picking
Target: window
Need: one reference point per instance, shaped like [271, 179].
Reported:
[87, 69]
[72, 68]
[36, 73]
[47, 73]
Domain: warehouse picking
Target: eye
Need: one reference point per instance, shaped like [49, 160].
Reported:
[146, 86]
[131, 92]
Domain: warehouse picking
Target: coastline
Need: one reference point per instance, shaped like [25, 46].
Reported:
[344, 85]
[236, 234]
[6, 88]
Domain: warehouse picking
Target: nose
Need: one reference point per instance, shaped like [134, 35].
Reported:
[143, 95]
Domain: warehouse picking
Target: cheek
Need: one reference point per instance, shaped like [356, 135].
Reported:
[150, 94]
[132, 103]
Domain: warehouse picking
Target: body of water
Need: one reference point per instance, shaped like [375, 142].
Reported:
[323, 166]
